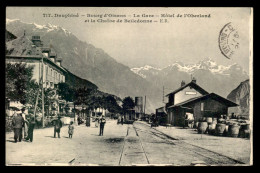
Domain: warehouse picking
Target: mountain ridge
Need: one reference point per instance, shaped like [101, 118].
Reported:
[190, 68]
[208, 73]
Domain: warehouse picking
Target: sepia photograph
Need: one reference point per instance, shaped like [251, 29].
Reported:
[128, 86]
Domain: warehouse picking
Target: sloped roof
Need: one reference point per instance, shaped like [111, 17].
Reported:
[9, 36]
[22, 46]
[161, 107]
[204, 97]
[193, 85]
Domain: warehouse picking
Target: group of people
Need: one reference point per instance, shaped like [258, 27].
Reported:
[23, 124]
[58, 126]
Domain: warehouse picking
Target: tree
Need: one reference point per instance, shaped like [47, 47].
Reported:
[112, 104]
[79, 96]
[128, 103]
[66, 92]
[31, 94]
[19, 82]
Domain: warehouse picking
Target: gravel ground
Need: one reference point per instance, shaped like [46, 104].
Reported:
[85, 146]
[236, 148]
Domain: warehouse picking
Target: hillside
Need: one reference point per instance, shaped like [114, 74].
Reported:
[241, 96]
[78, 82]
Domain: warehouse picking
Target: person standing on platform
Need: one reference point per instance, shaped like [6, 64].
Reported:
[122, 120]
[102, 125]
[71, 129]
[26, 123]
[57, 127]
[30, 129]
[18, 123]
[96, 122]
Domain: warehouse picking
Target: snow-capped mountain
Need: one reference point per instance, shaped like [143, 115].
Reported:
[145, 68]
[38, 28]
[208, 73]
[206, 64]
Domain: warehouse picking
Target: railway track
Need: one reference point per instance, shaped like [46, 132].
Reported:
[212, 157]
[133, 151]
[143, 145]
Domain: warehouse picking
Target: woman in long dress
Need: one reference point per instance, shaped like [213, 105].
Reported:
[96, 122]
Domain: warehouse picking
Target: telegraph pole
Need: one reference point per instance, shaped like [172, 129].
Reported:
[144, 103]
[43, 125]
[163, 95]
[35, 106]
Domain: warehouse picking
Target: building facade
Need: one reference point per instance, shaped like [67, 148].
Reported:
[46, 65]
[193, 100]
[44, 60]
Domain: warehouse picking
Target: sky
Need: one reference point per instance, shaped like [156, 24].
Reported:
[187, 40]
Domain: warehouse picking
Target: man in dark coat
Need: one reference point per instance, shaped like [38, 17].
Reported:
[30, 129]
[57, 126]
[102, 124]
[18, 123]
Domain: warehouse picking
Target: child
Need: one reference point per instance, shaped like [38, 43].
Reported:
[71, 129]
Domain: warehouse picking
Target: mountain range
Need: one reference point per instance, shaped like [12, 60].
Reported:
[95, 65]
[209, 75]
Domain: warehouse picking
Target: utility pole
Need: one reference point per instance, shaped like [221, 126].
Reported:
[35, 106]
[144, 103]
[43, 125]
[163, 95]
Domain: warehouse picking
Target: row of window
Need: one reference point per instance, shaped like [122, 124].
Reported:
[54, 74]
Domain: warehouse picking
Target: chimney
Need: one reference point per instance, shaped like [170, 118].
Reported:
[53, 57]
[182, 83]
[58, 61]
[193, 80]
[37, 41]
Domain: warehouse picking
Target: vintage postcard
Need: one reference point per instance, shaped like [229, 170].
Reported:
[129, 86]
